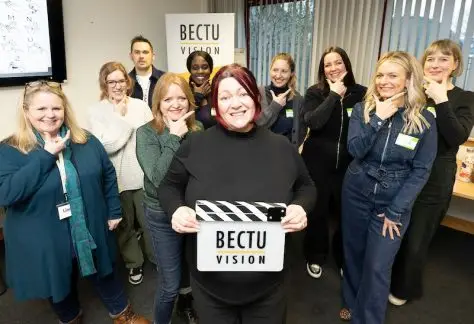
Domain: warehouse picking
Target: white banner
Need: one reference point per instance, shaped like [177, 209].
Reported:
[212, 33]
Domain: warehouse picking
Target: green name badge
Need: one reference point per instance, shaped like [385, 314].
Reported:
[289, 113]
[432, 110]
[349, 112]
[407, 141]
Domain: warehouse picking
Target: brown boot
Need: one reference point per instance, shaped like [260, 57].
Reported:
[129, 317]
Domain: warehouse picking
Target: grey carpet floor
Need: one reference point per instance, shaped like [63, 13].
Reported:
[449, 292]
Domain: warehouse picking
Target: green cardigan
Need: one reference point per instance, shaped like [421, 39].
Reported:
[39, 251]
[154, 153]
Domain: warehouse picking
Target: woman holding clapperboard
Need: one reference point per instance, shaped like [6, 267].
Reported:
[157, 142]
[241, 162]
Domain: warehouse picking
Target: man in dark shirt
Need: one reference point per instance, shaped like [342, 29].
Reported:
[144, 73]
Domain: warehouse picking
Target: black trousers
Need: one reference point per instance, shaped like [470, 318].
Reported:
[271, 309]
[428, 212]
[316, 241]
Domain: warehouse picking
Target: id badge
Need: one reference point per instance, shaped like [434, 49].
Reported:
[407, 141]
[64, 210]
[432, 110]
[289, 113]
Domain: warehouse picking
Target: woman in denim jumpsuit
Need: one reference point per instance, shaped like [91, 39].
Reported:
[453, 108]
[393, 140]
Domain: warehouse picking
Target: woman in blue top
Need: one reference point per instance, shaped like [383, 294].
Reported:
[393, 140]
[61, 197]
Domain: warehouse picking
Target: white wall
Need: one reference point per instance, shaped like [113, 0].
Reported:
[97, 31]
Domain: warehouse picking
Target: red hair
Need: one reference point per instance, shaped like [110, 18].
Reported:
[246, 80]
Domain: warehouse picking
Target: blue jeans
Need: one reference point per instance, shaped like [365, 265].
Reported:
[168, 248]
[368, 255]
[109, 289]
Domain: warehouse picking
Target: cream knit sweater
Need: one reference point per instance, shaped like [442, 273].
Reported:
[118, 135]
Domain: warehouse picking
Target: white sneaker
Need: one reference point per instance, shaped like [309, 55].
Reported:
[396, 301]
[314, 270]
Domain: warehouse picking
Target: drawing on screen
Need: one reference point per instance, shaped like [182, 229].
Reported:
[24, 37]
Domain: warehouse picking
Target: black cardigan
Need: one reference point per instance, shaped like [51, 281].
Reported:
[323, 114]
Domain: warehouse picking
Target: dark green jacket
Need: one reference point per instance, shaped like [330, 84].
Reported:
[154, 153]
[38, 245]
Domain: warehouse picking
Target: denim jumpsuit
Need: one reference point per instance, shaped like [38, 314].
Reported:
[385, 177]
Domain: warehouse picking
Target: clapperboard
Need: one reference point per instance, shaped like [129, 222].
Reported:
[240, 236]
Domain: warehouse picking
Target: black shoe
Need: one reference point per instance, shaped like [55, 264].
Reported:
[314, 270]
[185, 310]
[135, 276]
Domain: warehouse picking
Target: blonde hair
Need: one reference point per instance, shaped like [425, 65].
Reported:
[447, 47]
[24, 139]
[160, 91]
[292, 82]
[414, 95]
[108, 68]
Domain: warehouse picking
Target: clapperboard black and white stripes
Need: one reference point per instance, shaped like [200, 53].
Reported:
[226, 211]
[240, 236]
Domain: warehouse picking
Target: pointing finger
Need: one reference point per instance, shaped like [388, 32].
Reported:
[398, 95]
[67, 136]
[186, 115]
[47, 137]
[273, 93]
[376, 98]
[286, 92]
[445, 80]
[342, 76]
[428, 79]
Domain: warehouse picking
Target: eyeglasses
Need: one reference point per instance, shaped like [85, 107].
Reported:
[114, 83]
[38, 83]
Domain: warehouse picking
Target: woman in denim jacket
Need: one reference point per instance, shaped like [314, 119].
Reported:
[393, 140]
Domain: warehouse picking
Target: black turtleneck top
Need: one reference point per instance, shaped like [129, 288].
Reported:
[454, 119]
[219, 164]
[284, 124]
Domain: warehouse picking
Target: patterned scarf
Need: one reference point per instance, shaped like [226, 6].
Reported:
[82, 240]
